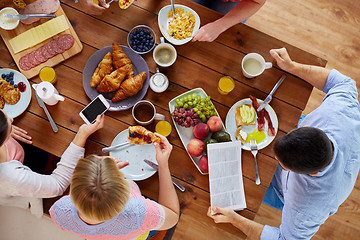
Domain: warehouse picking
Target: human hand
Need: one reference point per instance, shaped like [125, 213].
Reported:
[20, 134]
[120, 164]
[91, 8]
[282, 58]
[163, 150]
[86, 130]
[207, 33]
[223, 215]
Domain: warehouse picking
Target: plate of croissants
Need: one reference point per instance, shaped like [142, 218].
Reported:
[119, 74]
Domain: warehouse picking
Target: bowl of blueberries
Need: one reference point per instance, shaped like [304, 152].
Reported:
[141, 39]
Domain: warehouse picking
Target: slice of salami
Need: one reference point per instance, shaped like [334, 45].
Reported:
[50, 49]
[34, 62]
[46, 52]
[65, 42]
[39, 55]
[55, 46]
[23, 63]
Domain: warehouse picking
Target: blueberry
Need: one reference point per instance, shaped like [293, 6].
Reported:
[11, 82]
[3, 75]
[15, 85]
[11, 77]
[141, 33]
[140, 46]
[146, 48]
[11, 74]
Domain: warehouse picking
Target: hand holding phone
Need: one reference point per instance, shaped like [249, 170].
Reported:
[96, 107]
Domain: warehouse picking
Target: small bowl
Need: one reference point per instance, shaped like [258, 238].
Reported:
[8, 23]
[134, 30]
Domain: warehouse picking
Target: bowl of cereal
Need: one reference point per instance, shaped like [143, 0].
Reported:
[180, 28]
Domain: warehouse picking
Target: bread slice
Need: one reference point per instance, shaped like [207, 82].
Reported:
[240, 135]
[239, 118]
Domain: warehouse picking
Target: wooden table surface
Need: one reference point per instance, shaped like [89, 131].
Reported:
[198, 64]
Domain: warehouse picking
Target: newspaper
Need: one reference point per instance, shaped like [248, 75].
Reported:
[225, 175]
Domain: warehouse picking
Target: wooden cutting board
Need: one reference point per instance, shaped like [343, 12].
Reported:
[7, 35]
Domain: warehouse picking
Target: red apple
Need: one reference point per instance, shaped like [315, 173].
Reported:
[214, 123]
[201, 130]
[195, 147]
[203, 164]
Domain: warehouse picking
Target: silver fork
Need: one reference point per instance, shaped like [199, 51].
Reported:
[254, 151]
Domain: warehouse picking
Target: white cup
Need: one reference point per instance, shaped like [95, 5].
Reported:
[164, 54]
[144, 113]
[253, 64]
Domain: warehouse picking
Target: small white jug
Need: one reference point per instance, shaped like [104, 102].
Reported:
[47, 92]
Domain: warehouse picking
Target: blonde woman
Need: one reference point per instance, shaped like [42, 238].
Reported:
[104, 205]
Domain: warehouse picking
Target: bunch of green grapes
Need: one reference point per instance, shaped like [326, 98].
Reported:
[202, 106]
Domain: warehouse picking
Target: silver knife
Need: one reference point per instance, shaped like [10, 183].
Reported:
[269, 97]
[26, 16]
[108, 149]
[156, 167]
[42, 105]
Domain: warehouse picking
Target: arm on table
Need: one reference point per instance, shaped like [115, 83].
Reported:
[167, 194]
[250, 228]
[242, 11]
[316, 76]
[32, 184]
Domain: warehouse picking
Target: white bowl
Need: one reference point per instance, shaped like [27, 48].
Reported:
[164, 22]
[8, 23]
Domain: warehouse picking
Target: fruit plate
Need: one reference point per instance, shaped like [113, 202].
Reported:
[230, 124]
[163, 22]
[186, 134]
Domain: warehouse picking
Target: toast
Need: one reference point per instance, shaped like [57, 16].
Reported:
[243, 119]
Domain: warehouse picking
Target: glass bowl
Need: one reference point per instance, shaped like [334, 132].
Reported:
[141, 39]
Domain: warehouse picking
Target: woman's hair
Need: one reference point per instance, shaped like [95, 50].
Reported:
[305, 150]
[98, 189]
[4, 127]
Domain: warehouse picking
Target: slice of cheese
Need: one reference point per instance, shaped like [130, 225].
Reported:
[39, 34]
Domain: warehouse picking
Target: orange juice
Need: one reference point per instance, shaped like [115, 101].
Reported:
[47, 74]
[164, 128]
[226, 85]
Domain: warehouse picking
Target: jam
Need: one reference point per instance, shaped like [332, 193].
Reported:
[21, 86]
[146, 138]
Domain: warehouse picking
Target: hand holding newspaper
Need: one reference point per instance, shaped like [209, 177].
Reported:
[225, 175]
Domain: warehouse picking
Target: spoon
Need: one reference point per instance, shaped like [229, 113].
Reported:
[173, 7]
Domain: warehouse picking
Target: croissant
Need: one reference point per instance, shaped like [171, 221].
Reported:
[119, 57]
[129, 87]
[104, 68]
[140, 135]
[111, 82]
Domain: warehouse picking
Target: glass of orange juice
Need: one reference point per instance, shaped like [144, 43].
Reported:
[226, 85]
[47, 74]
[164, 128]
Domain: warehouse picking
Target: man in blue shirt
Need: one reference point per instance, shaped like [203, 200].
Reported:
[318, 162]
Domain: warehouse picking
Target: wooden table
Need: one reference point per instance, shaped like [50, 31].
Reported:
[198, 65]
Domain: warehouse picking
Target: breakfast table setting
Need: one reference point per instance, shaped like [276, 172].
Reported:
[192, 74]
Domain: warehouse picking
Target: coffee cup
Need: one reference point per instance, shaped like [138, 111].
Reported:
[144, 113]
[253, 64]
[164, 54]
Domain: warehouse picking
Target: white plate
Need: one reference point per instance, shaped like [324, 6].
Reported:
[230, 124]
[135, 155]
[164, 22]
[186, 134]
[15, 110]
